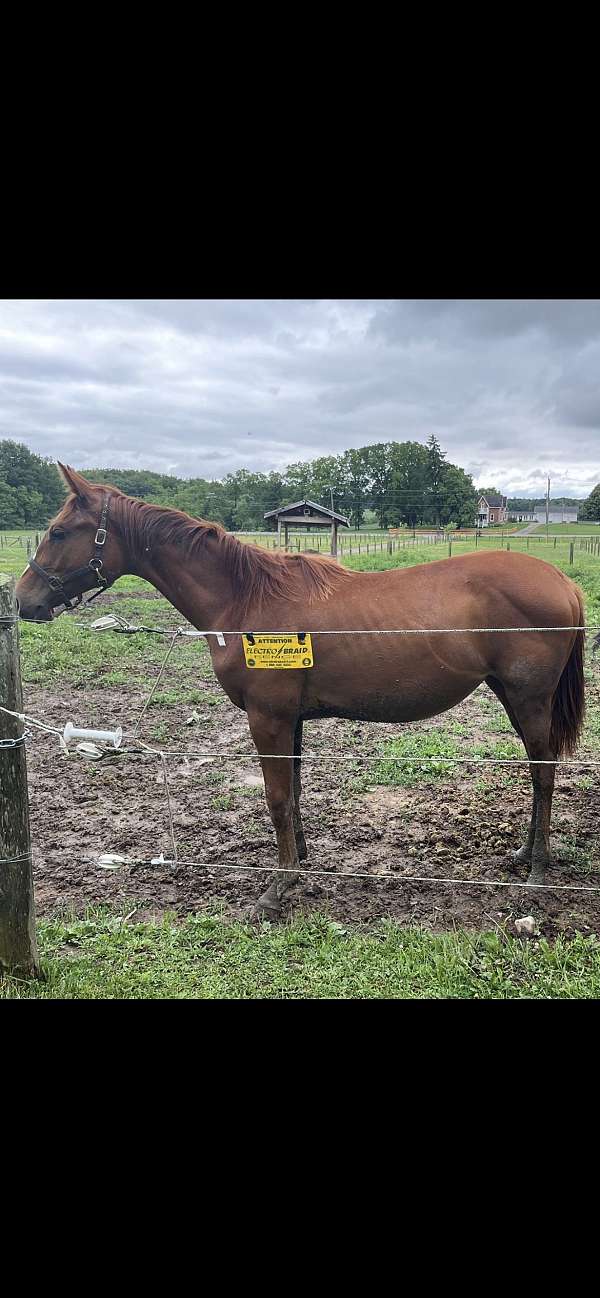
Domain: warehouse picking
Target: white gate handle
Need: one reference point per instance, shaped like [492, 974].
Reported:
[113, 737]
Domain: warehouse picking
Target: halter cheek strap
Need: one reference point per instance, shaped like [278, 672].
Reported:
[91, 575]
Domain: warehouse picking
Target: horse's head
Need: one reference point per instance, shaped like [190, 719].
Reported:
[80, 552]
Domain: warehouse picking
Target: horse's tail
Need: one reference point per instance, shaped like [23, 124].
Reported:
[568, 704]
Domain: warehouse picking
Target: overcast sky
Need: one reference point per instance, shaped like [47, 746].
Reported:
[200, 387]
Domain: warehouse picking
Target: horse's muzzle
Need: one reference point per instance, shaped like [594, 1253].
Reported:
[31, 610]
[40, 614]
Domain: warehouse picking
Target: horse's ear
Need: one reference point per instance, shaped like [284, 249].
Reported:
[78, 485]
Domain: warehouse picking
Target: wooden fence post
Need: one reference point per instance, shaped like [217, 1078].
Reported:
[571, 554]
[18, 946]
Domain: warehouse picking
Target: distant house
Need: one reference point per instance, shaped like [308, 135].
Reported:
[568, 514]
[521, 515]
[491, 509]
[537, 514]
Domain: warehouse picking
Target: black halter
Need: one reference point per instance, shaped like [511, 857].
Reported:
[86, 578]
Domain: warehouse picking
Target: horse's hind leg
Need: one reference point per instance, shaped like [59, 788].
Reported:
[522, 853]
[274, 735]
[542, 777]
[298, 830]
[533, 720]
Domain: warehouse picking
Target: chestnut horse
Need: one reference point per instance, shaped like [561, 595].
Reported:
[219, 583]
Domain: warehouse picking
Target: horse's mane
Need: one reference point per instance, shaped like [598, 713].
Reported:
[256, 575]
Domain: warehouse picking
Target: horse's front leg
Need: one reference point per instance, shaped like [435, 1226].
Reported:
[275, 735]
[297, 764]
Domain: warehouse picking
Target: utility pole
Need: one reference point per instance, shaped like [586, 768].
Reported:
[547, 507]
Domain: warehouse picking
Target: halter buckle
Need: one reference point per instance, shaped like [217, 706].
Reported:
[100, 536]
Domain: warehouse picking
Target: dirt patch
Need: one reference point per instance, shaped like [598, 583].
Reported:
[456, 828]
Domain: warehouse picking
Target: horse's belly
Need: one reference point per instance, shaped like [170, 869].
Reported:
[402, 701]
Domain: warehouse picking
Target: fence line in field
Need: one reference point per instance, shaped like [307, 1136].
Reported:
[191, 633]
[176, 862]
[163, 755]
[357, 542]
[196, 754]
[364, 874]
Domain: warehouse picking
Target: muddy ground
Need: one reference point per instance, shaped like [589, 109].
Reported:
[462, 826]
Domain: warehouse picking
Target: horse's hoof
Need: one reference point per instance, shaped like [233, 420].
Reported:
[536, 877]
[522, 854]
[265, 910]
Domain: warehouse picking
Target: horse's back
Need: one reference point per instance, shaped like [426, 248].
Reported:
[470, 590]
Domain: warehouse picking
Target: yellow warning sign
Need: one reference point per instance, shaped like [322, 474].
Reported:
[278, 650]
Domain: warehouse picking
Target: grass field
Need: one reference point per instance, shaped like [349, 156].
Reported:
[577, 529]
[103, 957]
[107, 954]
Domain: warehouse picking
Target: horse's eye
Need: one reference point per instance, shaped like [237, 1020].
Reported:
[57, 534]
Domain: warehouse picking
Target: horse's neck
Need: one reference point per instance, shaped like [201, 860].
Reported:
[197, 585]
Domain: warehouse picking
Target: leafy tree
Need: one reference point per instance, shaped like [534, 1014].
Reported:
[296, 482]
[459, 497]
[327, 479]
[380, 467]
[10, 507]
[40, 490]
[436, 468]
[356, 475]
[590, 510]
[408, 484]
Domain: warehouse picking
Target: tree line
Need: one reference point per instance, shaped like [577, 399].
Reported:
[388, 484]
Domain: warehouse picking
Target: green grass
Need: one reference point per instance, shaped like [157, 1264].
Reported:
[571, 851]
[425, 756]
[61, 651]
[578, 529]
[176, 695]
[435, 745]
[223, 802]
[105, 957]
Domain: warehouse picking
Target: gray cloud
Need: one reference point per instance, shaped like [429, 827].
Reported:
[201, 387]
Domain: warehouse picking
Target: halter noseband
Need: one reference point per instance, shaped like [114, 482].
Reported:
[91, 574]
